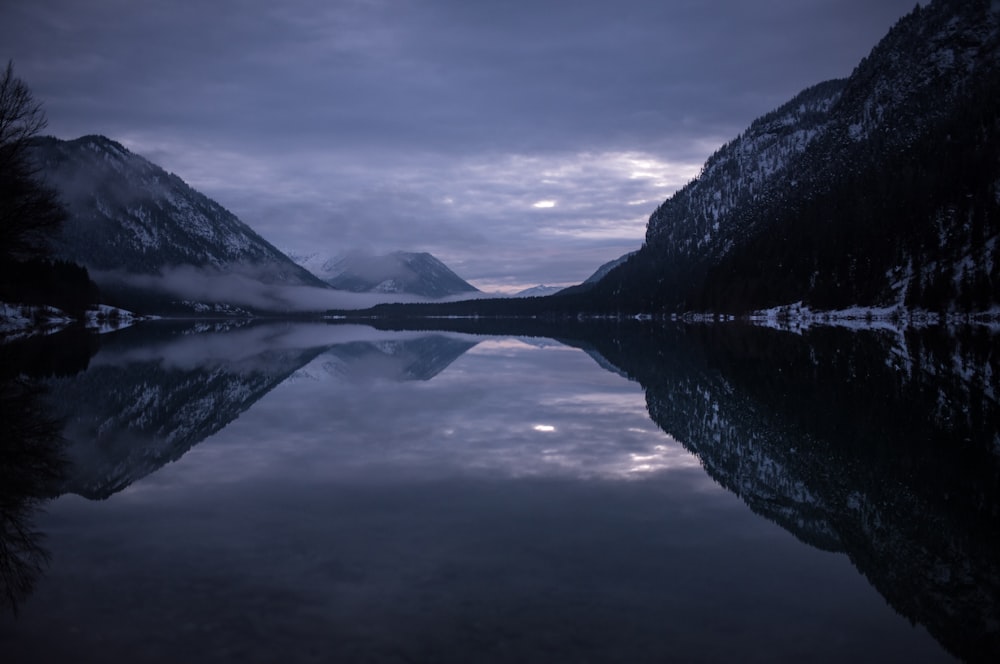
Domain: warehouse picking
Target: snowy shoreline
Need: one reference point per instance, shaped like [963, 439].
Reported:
[18, 321]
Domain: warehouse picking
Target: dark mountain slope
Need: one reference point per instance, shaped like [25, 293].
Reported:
[128, 214]
[879, 190]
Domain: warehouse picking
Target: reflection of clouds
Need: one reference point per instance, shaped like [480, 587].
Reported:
[504, 409]
[660, 458]
[196, 348]
[493, 346]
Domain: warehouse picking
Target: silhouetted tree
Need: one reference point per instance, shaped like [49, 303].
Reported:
[29, 210]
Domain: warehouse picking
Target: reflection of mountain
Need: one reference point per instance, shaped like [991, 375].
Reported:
[882, 447]
[398, 272]
[145, 402]
[156, 391]
[394, 359]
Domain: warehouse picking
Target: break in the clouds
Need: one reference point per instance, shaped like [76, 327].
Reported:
[520, 142]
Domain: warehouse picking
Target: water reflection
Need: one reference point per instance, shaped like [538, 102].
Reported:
[146, 400]
[33, 463]
[366, 457]
[151, 394]
[31, 467]
[881, 445]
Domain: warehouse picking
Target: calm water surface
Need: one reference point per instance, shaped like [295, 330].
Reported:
[300, 493]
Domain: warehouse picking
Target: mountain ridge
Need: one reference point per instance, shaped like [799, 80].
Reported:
[129, 216]
[414, 273]
[874, 190]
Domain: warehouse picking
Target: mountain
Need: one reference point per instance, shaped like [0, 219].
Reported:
[540, 290]
[882, 189]
[399, 272]
[588, 284]
[604, 269]
[128, 215]
[584, 286]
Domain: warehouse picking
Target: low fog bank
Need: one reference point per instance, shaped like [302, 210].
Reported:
[242, 289]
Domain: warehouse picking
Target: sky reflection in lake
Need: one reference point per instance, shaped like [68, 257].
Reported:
[506, 500]
[534, 416]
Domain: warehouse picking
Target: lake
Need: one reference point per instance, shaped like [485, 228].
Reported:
[627, 492]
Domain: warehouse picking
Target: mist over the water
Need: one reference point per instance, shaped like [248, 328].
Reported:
[243, 286]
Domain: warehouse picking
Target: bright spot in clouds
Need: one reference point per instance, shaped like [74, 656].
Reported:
[544, 427]
[544, 204]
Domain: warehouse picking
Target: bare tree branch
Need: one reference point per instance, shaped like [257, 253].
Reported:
[29, 211]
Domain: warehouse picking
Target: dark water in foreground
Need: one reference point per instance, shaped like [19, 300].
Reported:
[316, 493]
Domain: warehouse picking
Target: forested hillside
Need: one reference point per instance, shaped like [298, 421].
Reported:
[879, 190]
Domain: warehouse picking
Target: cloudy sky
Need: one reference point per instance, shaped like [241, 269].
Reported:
[522, 142]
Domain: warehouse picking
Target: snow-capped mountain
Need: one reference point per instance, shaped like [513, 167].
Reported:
[879, 189]
[127, 214]
[399, 272]
[540, 290]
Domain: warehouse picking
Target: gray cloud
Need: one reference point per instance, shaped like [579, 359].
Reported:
[347, 123]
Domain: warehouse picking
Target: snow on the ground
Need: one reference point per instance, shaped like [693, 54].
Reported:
[105, 318]
[23, 320]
